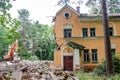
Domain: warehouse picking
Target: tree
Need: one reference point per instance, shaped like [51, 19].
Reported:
[108, 55]
[8, 27]
[112, 6]
[5, 40]
[41, 39]
[23, 15]
[5, 6]
[36, 38]
[24, 19]
[63, 2]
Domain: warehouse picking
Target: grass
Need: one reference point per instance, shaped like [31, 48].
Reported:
[91, 76]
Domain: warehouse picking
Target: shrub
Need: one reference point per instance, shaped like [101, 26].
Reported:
[29, 56]
[116, 61]
[26, 56]
[101, 70]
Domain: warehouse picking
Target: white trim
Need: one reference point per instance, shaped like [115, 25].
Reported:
[113, 46]
[76, 59]
[67, 12]
[114, 28]
[67, 54]
[67, 26]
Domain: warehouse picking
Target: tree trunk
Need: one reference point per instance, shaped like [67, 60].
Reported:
[108, 55]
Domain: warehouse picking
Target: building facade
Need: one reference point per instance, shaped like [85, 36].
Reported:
[80, 38]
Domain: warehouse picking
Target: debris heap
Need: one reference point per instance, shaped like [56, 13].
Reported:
[37, 70]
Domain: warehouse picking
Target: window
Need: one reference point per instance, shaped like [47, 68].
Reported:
[67, 15]
[92, 32]
[67, 33]
[86, 55]
[84, 32]
[94, 55]
[113, 51]
[111, 31]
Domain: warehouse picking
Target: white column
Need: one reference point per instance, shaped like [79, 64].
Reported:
[76, 58]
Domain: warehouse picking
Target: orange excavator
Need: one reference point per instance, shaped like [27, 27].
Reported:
[13, 49]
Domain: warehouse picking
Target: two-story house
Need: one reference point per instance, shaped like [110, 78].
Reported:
[80, 38]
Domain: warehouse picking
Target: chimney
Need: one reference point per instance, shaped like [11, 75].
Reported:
[78, 9]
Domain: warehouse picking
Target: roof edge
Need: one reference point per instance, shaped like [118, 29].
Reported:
[66, 5]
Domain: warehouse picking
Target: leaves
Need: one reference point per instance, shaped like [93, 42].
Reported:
[95, 6]
[5, 6]
[23, 15]
[8, 6]
[8, 27]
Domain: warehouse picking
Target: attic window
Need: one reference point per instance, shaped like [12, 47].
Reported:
[67, 15]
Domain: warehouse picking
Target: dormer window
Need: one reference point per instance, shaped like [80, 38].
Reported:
[67, 15]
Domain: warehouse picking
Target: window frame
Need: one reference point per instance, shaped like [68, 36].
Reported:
[86, 55]
[111, 31]
[67, 34]
[67, 15]
[94, 55]
[92, 32]
[84, 32]
[113, 50]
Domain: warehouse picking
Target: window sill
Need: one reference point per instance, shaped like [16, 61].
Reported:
[94, 61]
[86, 61]
[67, 37]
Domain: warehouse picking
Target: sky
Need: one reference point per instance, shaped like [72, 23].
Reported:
[41, 10]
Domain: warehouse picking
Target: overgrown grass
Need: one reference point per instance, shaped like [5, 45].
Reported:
[91, 76]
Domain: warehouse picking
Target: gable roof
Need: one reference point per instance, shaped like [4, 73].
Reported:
[67, 6]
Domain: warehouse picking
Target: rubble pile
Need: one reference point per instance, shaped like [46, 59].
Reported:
[28, 70]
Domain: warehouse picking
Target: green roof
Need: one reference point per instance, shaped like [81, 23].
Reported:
[75, 45]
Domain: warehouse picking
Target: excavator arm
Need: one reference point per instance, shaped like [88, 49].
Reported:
[10, 55]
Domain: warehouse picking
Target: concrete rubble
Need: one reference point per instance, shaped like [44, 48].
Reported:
[33, 70]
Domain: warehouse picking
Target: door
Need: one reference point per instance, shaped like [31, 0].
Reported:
[68, 63]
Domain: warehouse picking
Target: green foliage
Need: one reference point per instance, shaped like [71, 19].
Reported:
[101, 70]
[116, 61]
[112, 5]
[8, 27]
[63, 2]
[5, 5]
[91, 76]
[23, 15]
[4, 41]
[35, 37]
[32, 37]
[29, 56]
[43, 43]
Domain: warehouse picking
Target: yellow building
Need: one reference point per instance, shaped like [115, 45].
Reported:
[80, 38]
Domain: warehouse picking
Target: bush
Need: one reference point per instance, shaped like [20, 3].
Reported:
[116, 61]
[101, 70]
[29, 56]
